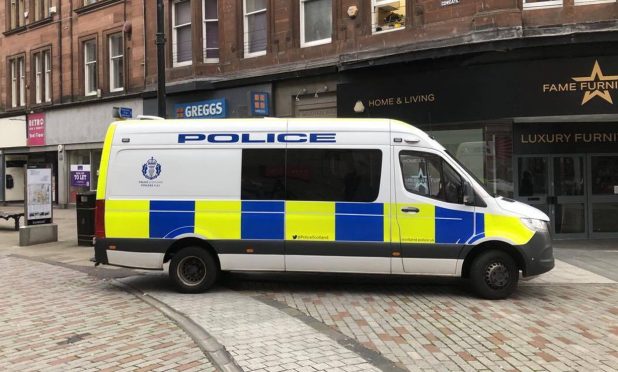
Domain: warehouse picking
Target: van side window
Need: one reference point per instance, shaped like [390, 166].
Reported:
[263, 175]
[429, 175]
[333, 175]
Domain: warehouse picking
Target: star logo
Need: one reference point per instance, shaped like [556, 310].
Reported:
[596, 84]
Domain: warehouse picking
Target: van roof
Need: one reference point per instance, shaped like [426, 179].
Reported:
[381, 130]
[293, 124]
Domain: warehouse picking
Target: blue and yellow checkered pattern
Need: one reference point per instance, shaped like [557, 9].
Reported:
[305, 221]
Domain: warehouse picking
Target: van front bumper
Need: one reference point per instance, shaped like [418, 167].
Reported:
[538, 254]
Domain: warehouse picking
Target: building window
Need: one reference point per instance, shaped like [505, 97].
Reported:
[388, 15]
[47, 79]
[116, 63]
[531, 4]
[42, 76]
[38, 78]
[41, 9]
[181, 35]
[590, 2]
[211, 31]
[90, 67]
[255, 36]
[18, 82]
[88, 2]
[316, 22]
[16, 13]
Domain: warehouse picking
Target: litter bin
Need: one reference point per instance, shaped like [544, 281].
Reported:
[85, 205]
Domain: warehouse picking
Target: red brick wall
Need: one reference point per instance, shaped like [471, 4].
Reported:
[426, 22]
[63, 33]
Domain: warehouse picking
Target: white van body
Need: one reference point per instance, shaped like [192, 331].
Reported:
[319, 195]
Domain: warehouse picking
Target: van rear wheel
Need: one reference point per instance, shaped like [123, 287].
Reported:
[494, 275]
[193, 270]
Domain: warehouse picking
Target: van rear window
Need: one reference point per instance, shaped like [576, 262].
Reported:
[263, 174]
[350, 175]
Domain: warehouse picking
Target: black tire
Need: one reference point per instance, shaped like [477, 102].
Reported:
[494, 275]
[193, 270]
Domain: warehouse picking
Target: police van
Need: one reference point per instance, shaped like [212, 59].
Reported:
[305, 195]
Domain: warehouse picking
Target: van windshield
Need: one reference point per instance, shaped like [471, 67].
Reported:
[470, 173]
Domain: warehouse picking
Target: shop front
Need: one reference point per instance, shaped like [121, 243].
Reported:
[314, 97]
[570, 171]
[186, 102]
[544, 132]
[13, 157]
[76, 135]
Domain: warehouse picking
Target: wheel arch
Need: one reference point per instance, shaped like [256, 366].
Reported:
[191, 242]
[492, 245]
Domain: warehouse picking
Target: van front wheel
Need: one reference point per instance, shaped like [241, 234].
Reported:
[193, 270]
[494, 275]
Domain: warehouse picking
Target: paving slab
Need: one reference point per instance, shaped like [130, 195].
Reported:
[59, 319]
[419, 326]
[258, 336]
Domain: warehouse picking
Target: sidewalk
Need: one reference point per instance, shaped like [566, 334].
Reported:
[564, 320]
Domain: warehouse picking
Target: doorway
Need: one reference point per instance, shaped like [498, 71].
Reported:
[579, 192]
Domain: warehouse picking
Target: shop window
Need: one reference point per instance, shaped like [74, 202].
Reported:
[428, 175]
[18, 81]
[16, 13]
[42, 76]
[41, 9]
[316, 22]
[486, 151]
[90, 67]
[531, 4]
[255, 26]
[182, 53]
[211, 31]
[116, 63]
[83, 171]
[388, 15]
[349, 175]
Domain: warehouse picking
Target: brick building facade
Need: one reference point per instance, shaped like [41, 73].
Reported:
[481, 75]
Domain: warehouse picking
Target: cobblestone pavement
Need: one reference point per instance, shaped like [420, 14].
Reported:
[258, 336]
[60, 319]
[433, 327]
[57, 319]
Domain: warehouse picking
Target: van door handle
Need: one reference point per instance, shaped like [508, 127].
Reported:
[410, 210]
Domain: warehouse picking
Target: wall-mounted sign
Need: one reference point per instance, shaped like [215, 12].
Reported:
[260, 103]
[211, 109]
[568, 86]
[80, 175]
[448, 2]
[36, 129]
[38, 206]
[564, 138]
[122, 112]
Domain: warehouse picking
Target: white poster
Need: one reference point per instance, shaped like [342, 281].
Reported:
[39, 198]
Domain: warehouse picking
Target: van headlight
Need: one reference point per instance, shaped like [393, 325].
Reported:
[535, 224]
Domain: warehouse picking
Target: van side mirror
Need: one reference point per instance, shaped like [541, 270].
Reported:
[468, 192]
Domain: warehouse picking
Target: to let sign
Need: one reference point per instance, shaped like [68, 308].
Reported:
[36, 129]
[80, 175]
